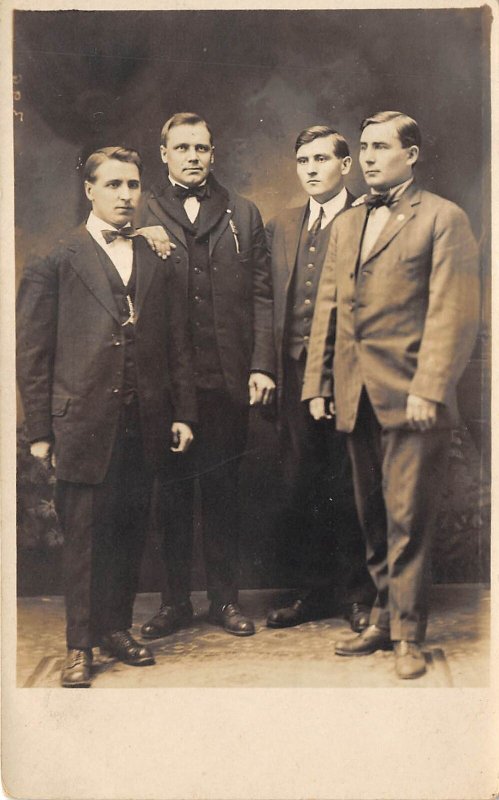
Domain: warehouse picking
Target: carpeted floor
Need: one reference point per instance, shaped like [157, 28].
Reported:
[456, 649]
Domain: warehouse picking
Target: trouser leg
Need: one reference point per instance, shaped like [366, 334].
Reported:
[222, 439]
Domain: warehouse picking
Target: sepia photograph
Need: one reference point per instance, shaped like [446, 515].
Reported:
[253, 360]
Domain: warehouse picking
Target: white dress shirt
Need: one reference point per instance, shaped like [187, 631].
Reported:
[330, 208]
[191, 204]
[378, 217]
[120, 251]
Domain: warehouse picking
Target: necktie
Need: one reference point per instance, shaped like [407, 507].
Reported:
[314, 230]
[378, 200]
[183, 192]
[123, 233]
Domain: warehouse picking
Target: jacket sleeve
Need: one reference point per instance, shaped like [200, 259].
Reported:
[318, 379]
[36, 320]
[452, 316]
[263, 359]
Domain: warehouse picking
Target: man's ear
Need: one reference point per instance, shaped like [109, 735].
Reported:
[88, 190]
[346, 165]
[212, 159]
[412, 154]
[164, 157]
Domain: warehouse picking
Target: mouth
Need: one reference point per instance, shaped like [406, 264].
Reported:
[372, 172]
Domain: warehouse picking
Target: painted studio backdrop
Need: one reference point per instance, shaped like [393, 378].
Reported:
[88, 79]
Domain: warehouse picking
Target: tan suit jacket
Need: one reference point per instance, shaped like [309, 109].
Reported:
[402, 322]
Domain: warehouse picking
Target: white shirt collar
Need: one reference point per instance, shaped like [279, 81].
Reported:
[395, 192]
[95, 226]
[331, 208]
[177, 183]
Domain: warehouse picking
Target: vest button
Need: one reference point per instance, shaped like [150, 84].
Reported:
[116, 391]
[307, 302]
[116, 343]
[311, 249]
[310, 266]
[308, 283]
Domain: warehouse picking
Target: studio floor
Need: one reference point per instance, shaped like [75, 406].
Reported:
[456, 648]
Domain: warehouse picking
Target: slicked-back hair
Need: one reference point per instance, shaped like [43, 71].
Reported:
[183, 118]
[98, 157]
[407, 127]
[340, 146]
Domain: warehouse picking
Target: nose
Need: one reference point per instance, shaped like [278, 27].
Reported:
[125, 193]
[368, 156]
[193, 155]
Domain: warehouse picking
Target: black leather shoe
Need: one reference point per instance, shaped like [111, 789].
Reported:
[302, 610]
[76, 670]
[367, 642]
[231, 618]
[167, 620]
[358, 616]
[409, 660]
[121, 645]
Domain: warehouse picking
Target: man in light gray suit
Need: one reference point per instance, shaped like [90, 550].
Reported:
[398, 306]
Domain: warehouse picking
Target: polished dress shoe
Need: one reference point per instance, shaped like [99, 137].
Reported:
[409, 660]
[76, 670]
[121, 645]
[358, 616]
[302, 610]
[367, 642]
[167, 620]
[231, 618]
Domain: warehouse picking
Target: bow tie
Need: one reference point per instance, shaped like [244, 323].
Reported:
[123, 233]
[183, 192]
[378, 200]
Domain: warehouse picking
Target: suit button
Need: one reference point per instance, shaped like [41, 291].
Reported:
[310, 266]
[116, 391]
[177, 259]
[308, 283]
[311, 249]
[306, 338]
[116, 343]
[307, 302]
[197, 298]
[197, 270]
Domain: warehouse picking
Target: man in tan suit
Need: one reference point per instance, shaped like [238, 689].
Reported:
[398, 303]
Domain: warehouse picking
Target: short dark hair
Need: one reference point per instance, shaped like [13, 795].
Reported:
[98, 157]
[407, 127]
[183, 118]
[340, 146]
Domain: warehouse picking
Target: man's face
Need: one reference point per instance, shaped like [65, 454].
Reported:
[188, 153]
[320, 171]
[115, 193]
[384, 162]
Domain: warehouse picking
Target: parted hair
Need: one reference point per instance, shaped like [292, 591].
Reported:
[98, 157]
[407, 127]
[341, 149]
[183, 118]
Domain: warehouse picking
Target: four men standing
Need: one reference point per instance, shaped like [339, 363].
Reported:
[111, 342]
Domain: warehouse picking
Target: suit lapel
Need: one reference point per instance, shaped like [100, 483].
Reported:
[215, 213]
[292, 235]
[399, 217]
[166, 207]
[85, 262]
[146, 265]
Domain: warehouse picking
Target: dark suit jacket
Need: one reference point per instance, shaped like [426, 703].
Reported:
[407, 325]
[242, 289]
[71, 356]
[283, 240]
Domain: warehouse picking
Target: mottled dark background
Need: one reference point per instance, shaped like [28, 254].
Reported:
[89, 79]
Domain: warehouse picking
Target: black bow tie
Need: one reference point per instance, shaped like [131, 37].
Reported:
[378, 200]
[123, 233]
[183, 192]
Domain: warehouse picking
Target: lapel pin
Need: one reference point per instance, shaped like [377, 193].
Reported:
[400, 217]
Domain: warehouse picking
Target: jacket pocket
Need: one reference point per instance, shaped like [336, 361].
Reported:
[60, 404]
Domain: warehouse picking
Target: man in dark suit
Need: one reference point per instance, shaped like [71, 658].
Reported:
[221, 262]
[400, 287]
[103, 370]
[322, 534]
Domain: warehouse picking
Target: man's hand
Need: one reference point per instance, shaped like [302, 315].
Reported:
[320, 408]
[261, 389]
[182, 437]
[157, 239]
[43, 451]
[421, 414]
